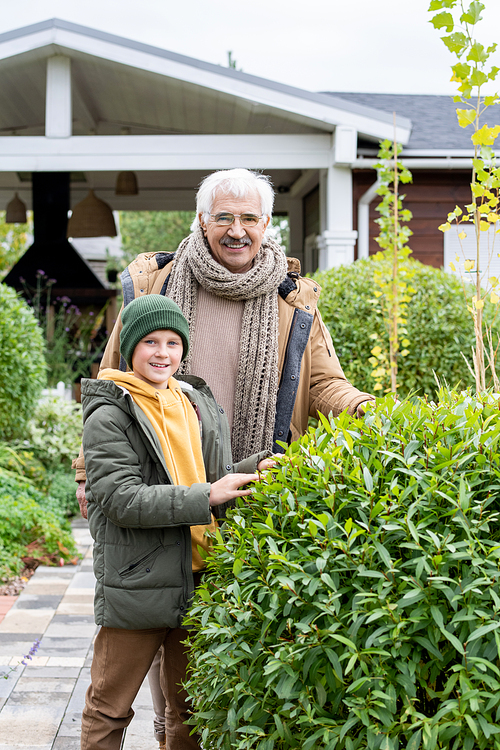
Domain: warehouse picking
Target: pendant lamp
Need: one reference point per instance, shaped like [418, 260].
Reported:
[92, 217]
[16, 211]
[126, 184]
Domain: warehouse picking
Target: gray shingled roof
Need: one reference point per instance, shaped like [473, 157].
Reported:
[433, 118]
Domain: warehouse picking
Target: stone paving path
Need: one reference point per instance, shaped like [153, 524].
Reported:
[41, 704]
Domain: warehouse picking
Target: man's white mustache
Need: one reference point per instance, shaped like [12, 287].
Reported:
[244, 241]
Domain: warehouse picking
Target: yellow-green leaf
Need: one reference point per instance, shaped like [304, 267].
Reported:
[494, 298]
[462, 236]
[444, 227]
[485, 136]
[466, 117]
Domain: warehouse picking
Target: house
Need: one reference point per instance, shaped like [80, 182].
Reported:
[78, 106]
[438, 153]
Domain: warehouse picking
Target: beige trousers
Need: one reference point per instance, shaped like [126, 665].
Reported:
[121, 661]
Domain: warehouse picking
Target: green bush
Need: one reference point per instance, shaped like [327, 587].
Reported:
[22, 363]
[439, 326]
[354, 600]
[54, 434]
[62, 490]
[31, 526]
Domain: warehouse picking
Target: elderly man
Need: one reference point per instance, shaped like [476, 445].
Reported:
[243, 297]
[236, 287]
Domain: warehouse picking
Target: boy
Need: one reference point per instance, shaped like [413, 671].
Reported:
[151, 481]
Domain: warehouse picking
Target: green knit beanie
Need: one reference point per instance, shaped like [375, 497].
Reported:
[153, 312]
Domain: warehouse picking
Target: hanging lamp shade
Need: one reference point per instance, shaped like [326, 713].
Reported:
[92, 217]
[16, 211]
[126, 184]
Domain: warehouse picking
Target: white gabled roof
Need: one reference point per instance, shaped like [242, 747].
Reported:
[121, 83]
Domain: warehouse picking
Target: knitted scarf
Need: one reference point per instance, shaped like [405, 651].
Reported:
[257, 382]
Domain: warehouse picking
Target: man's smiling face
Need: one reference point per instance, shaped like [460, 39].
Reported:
[235, 246]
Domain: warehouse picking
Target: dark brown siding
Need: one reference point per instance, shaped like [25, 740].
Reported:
[430, 197]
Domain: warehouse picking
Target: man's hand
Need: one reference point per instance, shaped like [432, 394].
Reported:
[227, 488]
[265, 464]
[82, 501]
[361, 409]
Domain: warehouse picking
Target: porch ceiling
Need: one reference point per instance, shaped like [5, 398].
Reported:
[173, 190]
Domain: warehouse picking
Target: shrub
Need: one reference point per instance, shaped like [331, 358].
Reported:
[354, 600]
[54, 434]
[439, 326]
[62, 490]
[31, 527]
[22, 363]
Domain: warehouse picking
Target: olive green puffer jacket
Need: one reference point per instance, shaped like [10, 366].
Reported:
[139, 520]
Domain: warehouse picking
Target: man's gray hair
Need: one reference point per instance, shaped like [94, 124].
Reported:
[238, 183]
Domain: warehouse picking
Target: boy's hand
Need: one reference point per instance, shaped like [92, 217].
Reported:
[227, 488]
[82, 500]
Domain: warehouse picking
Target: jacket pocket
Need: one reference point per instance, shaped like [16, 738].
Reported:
[144, 564]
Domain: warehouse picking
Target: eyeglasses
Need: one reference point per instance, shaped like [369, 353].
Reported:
[226, 219]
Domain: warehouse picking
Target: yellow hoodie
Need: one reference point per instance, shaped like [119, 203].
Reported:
[174, 420]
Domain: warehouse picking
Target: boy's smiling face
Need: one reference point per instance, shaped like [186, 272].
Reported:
[157, 357]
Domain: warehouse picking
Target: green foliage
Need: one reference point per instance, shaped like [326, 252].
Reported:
[14, 241]
[153, 231]
[62, 490]
[438, 326]
[31, 526]
[392, 276]
[354, 599]
[22, 363]
[73, 339]
[54, 433]
[471, 74]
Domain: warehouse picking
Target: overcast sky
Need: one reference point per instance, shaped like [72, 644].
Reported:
[385, 46]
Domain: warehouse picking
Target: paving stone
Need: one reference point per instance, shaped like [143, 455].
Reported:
[8, 685]
[48, 588]
[26, 747]
[77, 700]
[66, 661]
[65, 573]
[63, 673]
[60, 646]
[76, 608]
[13, 645]
[71, 725]
[38, 601]
[84, 580]
[26, 621]
[32, 726]
[69, 626]
[35, 660]
[44, 685]
[55, 700]
[67, 743]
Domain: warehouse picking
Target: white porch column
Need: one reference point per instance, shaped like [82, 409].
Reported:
[296, 220]
[337, 239]
[58, 109]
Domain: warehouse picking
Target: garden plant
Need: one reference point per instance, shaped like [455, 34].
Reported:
[438, 332]
[353, 600]
[22, 363]
[473, 72]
